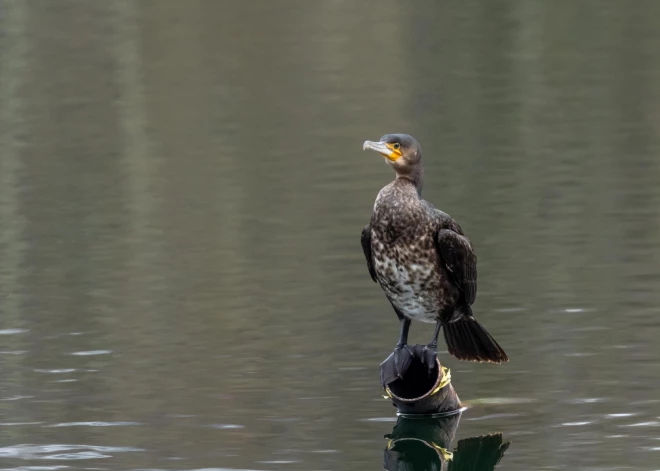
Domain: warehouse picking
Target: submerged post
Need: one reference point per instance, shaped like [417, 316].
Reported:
[422, 391]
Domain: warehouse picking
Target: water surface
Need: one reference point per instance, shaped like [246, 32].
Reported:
[182, 190]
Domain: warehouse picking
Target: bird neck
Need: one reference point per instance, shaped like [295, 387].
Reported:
[415, 176]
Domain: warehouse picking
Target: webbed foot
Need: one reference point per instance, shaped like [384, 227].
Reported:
[429, 357]
[396, 365]
[402, 359]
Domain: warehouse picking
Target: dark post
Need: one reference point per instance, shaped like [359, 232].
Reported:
[429, 413]
[423, 392]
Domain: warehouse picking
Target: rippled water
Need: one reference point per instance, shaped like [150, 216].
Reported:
[182, 189]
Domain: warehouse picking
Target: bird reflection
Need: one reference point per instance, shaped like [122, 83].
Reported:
[425, 444]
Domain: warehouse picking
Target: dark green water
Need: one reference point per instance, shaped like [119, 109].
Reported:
[182, 190]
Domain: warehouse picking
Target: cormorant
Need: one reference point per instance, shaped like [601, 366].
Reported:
[422, 260]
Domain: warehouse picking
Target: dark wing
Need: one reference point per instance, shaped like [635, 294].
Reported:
[366, 246]
[459, 259]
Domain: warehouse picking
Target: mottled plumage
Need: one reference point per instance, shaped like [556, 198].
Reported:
[422, 260]
[405, 257]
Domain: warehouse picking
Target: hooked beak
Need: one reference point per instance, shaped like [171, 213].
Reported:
[383, 149]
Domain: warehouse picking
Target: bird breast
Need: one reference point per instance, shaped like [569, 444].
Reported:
[409, 276]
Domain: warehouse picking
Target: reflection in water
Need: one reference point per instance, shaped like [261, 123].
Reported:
[426, 444]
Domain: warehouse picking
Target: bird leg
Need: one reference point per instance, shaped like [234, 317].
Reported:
[402, 355]
[430, 354]
[403, 337]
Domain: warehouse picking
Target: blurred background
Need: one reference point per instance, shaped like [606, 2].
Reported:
[182, 190]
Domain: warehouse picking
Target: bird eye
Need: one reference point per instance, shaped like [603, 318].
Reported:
[397, 145]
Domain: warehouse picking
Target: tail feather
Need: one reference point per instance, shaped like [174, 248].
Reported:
[469, 340]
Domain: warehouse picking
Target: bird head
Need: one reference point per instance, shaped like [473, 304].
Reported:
[401, 151]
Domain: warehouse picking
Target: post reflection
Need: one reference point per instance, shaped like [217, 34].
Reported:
[426, 444]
